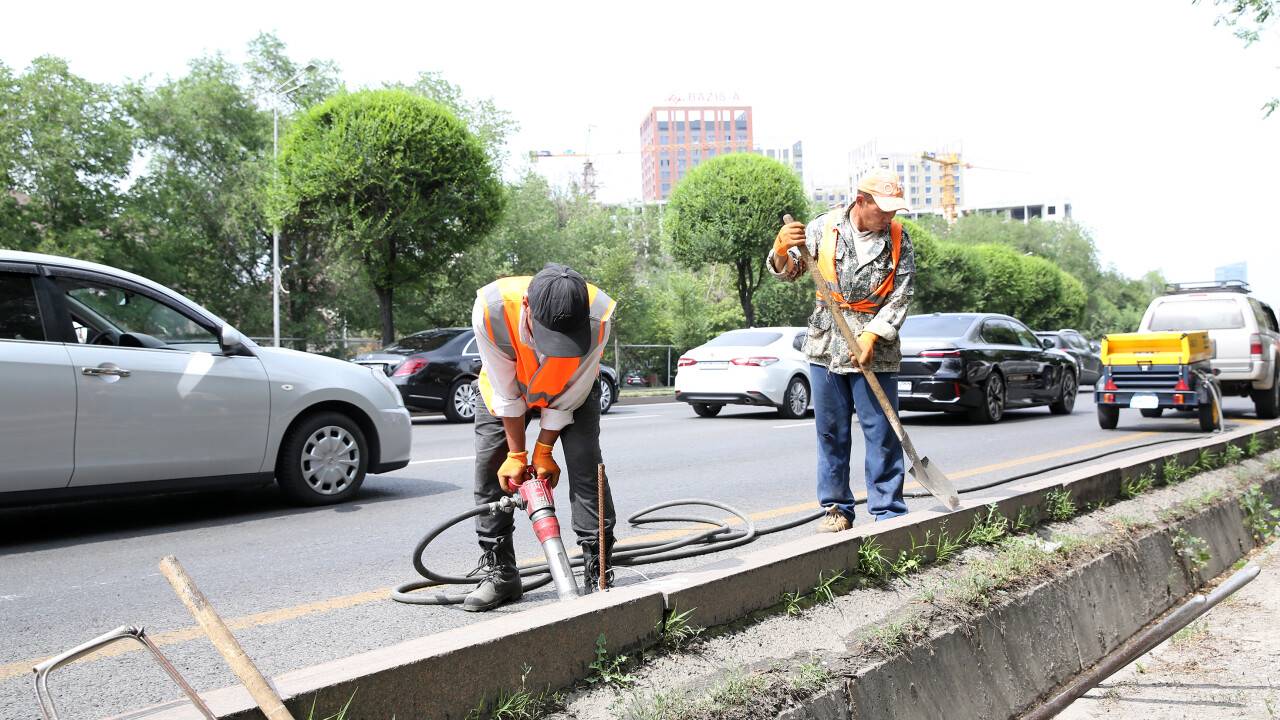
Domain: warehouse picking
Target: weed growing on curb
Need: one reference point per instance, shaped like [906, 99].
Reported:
[1059, 505]
[988, 530]
[1261, 518]
[1206, 461]
[792, 602]
[677, 633]
[518, 704]
[1193, 550]
[947, 547]
[911, 560]
[1174, 473]
[1190, 633]
[809, 677]
[609, 670]
[1274, 465]
[871, 561]
[340, 715]
[1130, 489]
[1023, 521]
[822, 591]
[1232, 455]
[892, 637]
[736, 691]
[1253, 446]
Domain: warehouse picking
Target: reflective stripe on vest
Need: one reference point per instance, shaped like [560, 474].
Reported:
[539, 382]
[827, 266]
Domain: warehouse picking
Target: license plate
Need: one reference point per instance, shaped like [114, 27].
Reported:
[904, 386]
[1144, 402]
[714, 364]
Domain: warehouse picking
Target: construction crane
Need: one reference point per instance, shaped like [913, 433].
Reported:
[949, 162]
[589, 184]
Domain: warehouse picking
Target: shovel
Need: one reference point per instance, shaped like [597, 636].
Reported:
[929, 475]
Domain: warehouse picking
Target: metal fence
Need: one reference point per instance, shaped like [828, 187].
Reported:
[643, 365]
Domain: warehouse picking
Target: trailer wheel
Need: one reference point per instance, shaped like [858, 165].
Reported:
[1108, 417]
[1210, 415]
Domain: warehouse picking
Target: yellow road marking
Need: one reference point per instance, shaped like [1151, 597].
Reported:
[268, 617]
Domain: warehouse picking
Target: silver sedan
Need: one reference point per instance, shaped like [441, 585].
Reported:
[113, 384]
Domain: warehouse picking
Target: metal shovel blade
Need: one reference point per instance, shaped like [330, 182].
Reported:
[935, 481]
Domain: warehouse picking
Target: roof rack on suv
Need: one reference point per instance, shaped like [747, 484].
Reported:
[1239, 286]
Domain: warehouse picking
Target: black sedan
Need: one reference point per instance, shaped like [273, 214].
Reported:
[434, 370]
[981, 364]
[1071, 342]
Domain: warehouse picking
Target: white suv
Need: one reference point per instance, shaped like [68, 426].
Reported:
[111, 384]
[1244, 332]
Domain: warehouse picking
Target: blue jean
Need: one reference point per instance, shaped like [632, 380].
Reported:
[835, 396]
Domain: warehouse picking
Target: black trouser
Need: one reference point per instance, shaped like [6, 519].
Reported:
[580, 442]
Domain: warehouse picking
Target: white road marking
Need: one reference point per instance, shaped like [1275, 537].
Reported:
[794, 425]
[629, 417]
[440, 460]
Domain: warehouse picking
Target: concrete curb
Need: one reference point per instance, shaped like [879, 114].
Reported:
[420, 677]
[1003, 664]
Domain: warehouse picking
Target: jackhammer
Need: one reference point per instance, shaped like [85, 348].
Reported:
[535, 497]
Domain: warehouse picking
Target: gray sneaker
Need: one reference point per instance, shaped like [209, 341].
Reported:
[501, 579]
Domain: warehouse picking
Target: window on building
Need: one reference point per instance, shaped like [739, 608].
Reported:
[711, 152]
[928, 201]
[900, 168]
[1053, 209]
[664, 139]
[666, 187]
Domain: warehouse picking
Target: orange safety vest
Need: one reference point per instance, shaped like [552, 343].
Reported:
[827, 266]
[541, 382]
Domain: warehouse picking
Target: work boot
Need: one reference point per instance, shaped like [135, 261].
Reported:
[500, 581]
[591, 565]
[833, 521]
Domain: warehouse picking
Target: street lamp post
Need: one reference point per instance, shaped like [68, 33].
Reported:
[277, 92]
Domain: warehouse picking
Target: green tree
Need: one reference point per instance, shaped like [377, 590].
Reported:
[489, 123]
[727, 210]
[195, 216]
[397, 179]
[1247, 19]
[68, 145]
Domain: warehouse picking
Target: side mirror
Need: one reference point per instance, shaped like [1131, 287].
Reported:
[232, 342]
[1047, 343]
[1095, 346]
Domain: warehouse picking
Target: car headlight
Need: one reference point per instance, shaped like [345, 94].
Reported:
[381, 378]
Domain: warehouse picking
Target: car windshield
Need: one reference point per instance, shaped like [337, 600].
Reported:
[936, 326]
[1199, 315]
[424, 341]
[745, 338]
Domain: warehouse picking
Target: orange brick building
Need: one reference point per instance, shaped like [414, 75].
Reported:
[674, 139]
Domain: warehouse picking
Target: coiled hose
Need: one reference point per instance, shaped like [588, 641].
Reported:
[720, 535]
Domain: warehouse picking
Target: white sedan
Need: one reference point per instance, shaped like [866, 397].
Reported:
[757, 366]
[115, 385]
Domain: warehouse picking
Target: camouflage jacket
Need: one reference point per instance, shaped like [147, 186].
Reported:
[862, 262]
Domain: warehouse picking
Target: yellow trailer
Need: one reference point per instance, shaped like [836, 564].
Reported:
[1158, 371]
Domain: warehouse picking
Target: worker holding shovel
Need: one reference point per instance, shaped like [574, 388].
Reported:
[864, 258]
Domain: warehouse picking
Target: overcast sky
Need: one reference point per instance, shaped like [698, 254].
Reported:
[1142, 113]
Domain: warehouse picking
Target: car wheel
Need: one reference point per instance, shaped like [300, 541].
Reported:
[993, 400]
[323, 460]
[1266, 403]
[1066, 402]
[795, 401]
[460, 406]
[1108, 417]
[1152, 412]
[706, 409]
[607, 396]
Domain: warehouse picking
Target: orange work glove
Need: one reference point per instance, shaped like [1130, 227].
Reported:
[544, 465]
[791, 235]
[511, 474]
[867, 341]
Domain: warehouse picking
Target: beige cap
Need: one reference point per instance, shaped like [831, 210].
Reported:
[882, 184]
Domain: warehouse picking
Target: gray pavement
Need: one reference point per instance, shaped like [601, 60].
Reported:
[301, 586]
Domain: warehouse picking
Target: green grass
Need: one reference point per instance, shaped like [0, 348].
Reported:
[896, 635]
[677, 633]
[809, 677]
[518, 704]
[871, 561]
[607, 669]
[1059, 505]
[1193, 550]
[1134, 487]
[1261, 518]
[988, 530]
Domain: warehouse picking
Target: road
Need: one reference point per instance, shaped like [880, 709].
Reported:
[301, 586]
